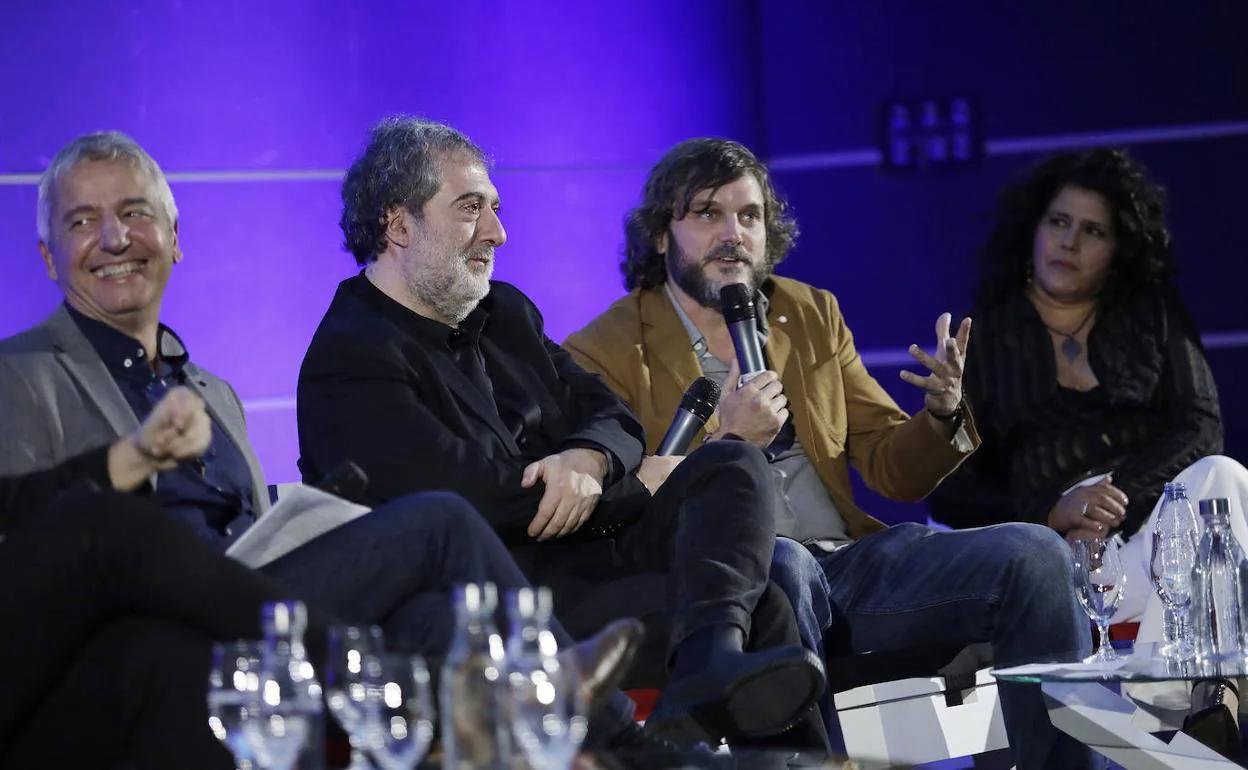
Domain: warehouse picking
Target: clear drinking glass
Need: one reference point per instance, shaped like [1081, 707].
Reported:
[1099, 584]
[546, 710]
[234, 697]
[351, 674]
[280, 728]
[404, 705]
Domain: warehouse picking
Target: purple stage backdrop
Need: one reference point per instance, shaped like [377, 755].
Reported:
[254, 108]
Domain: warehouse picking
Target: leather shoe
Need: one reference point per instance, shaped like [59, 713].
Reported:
[605, 658]
[739, 697]
[1212, 720]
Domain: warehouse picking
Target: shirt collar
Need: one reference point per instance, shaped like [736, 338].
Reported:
[123, 353]
[761, 306]
[416, 325]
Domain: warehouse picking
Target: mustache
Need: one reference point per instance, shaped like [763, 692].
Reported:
[727, 251]
[479, 252]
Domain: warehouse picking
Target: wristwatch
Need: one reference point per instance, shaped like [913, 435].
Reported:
[955, 417]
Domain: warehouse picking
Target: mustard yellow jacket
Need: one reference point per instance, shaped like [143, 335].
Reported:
[842, 414]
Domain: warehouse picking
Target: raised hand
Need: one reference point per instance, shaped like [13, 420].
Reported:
[943, 387]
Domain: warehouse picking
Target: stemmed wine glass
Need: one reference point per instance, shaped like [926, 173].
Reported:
[234, 697]
[404, 710]
[546, 711]
[1099, 580]
[351, 675]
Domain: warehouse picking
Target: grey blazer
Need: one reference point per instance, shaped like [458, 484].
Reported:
[57, 399]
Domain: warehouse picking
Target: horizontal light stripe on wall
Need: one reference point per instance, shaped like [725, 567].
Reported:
[805, 162]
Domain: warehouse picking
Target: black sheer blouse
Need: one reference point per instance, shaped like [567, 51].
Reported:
[1154, 412]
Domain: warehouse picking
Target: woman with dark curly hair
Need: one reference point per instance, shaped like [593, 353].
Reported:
[1090, 386]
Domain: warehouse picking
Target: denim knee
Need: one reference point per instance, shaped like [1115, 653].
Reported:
[797, 573]
[1038, 556]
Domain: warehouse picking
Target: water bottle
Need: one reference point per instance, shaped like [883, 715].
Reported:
[295, 691]
[1176, 537]
[1216, 591]
[474, 736]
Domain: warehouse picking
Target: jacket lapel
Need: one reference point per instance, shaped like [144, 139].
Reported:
[224, 411]
[74, 352]
[471, 396]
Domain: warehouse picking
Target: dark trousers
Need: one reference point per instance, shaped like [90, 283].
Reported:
[120, 604]
[109, 611]
[709, 529]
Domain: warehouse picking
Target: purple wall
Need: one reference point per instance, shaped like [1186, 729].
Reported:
[576, 101]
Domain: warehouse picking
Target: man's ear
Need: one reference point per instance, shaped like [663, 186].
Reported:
[177, 246]
[399, 225]
[660, 243]
[46, 253]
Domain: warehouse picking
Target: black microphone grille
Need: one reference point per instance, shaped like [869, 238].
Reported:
[701, 398]
[737, 302]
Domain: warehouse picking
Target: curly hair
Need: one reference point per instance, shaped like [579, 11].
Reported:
[1143, 258]
[399, 167]
[689, 167]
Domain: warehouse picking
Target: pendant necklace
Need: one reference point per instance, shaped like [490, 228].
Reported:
[1071, 347]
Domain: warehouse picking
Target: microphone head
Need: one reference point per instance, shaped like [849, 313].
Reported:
[737, 302]
[701, 398]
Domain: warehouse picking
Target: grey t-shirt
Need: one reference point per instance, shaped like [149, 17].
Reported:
[804, 509]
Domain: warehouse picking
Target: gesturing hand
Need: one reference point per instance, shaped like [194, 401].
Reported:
[943, 387]
[573, 481]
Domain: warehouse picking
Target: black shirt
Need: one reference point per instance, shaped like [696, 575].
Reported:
[214, 493]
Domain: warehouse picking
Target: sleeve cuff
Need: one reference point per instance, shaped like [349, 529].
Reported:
[615, 466]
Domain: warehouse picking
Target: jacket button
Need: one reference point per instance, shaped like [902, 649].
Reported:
[229, 531]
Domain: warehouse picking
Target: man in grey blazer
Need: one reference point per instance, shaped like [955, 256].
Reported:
[108, 233]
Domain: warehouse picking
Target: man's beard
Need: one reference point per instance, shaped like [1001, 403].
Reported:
[453, 291]
[690, 274]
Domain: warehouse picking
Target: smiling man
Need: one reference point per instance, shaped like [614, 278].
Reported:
[98, 365]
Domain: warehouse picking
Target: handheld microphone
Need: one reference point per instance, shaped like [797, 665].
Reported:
[696, 407]
[347, 481]
[737, 302]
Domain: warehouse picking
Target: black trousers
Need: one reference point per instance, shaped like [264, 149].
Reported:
[110, 607]
[710, 530]
[109, 611]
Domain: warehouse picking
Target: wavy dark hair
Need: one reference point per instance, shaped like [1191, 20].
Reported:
[1144, 257]
[399, 167]
[689, 167]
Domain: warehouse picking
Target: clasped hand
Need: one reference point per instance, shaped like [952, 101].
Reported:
[573, 480]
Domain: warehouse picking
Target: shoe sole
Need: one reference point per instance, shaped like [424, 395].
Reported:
[759, 705]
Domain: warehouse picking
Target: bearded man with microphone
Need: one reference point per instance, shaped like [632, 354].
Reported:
[703, 301]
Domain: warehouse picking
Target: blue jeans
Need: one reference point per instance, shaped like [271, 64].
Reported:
[1010, 585]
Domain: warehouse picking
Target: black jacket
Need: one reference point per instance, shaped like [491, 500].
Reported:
[373, 391]
[22, 496]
